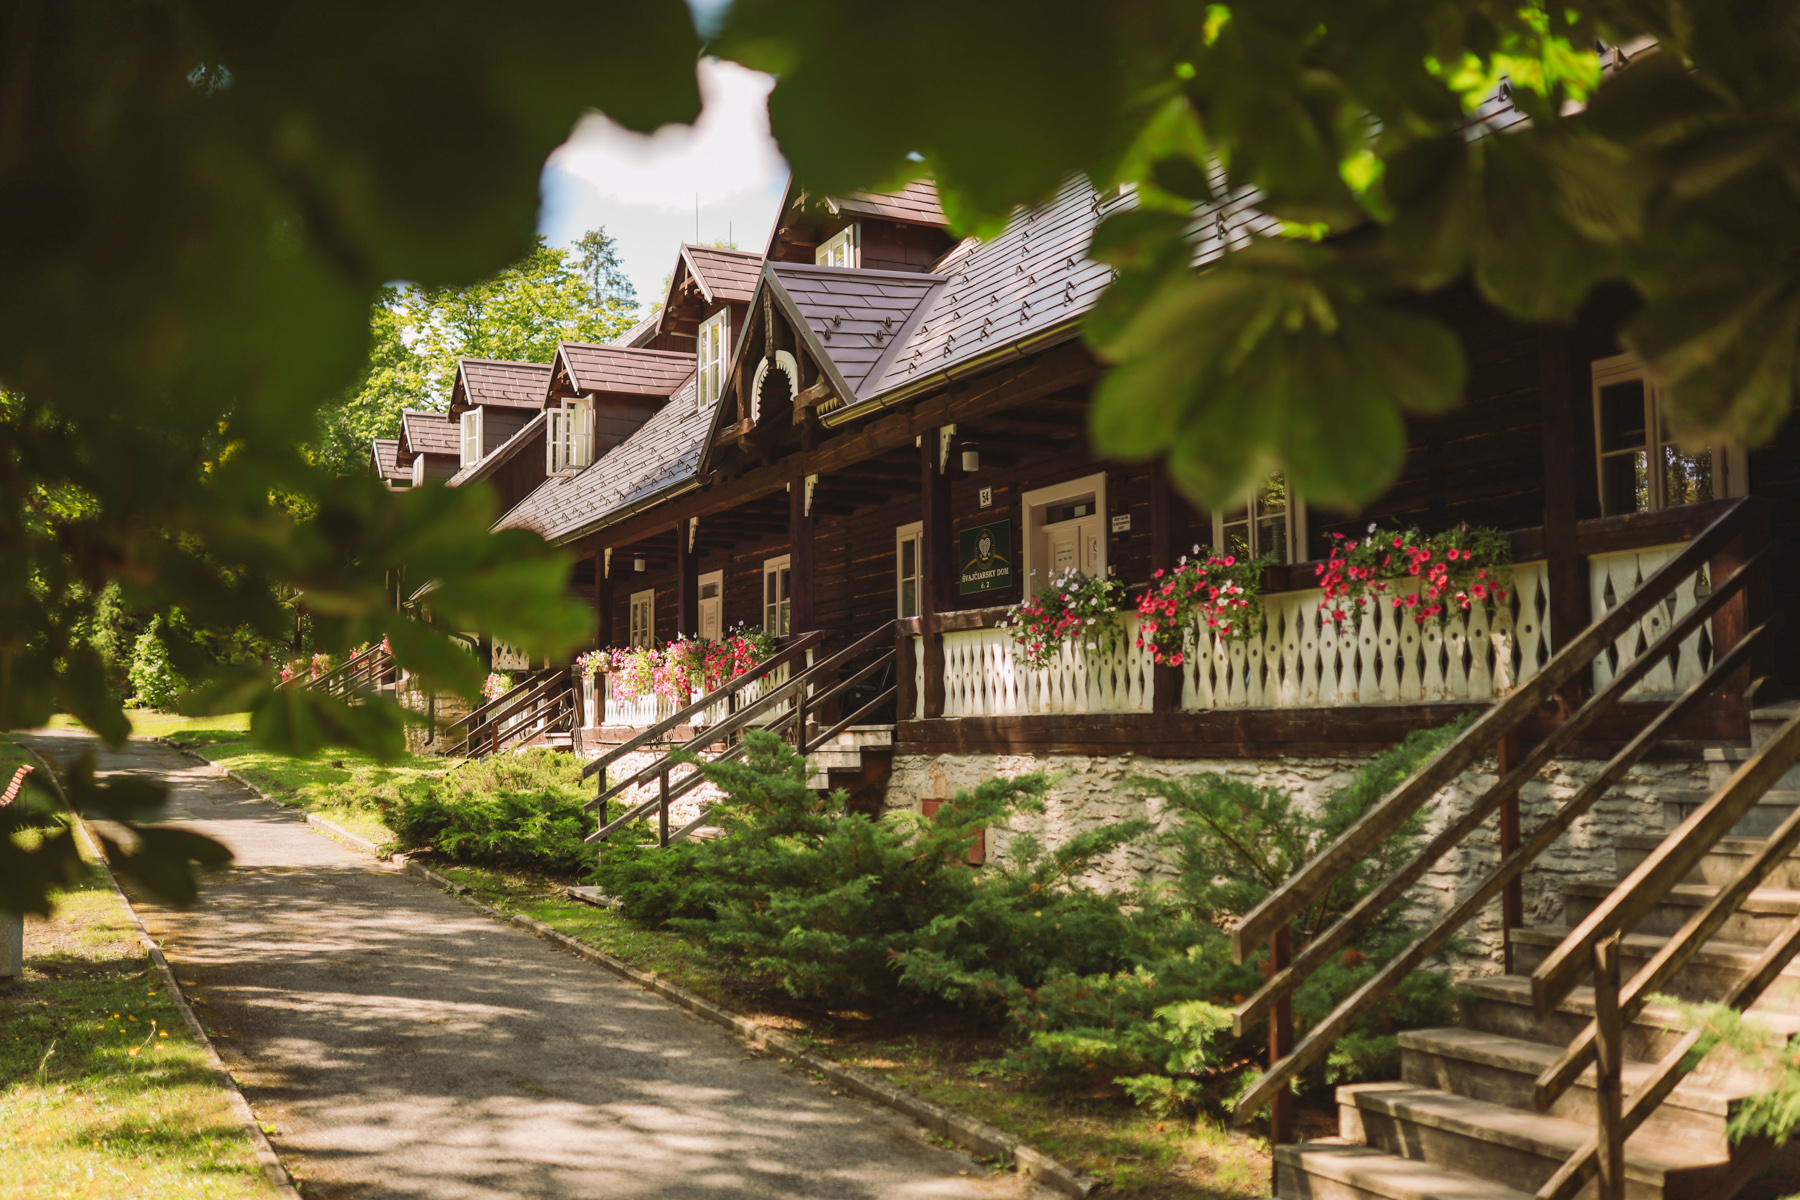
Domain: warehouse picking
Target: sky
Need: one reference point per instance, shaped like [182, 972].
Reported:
[642, 188]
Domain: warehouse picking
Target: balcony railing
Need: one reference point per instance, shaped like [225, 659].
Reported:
[1304, 658]
[645, 710]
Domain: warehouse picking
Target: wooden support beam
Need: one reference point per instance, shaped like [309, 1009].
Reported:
[687, 584]
[1168, 520]
[1570, 488]
[800, 559]
[937, 567]
[1055, 370]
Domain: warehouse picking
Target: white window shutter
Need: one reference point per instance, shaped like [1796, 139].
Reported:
[553, 441]
[581, 452]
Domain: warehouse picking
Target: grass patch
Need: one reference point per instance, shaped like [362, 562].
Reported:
[939, 1054]
[102, 1090]
[147, 722]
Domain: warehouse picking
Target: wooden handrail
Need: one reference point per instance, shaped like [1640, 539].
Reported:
[730, 687]
[329, 676]
[517, 700]
[531, 678]
[795, 688]
[1375, 826]
[1279, 909]
[562, 706]
[1674, 1066]
[1367, 910]
[1318, 1040]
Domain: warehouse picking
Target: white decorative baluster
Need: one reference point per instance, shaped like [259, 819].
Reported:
[1456, 652]
[1479, 638]
[1431, 647]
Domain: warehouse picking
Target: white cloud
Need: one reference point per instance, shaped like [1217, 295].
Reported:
[727, 153]
[643, 188]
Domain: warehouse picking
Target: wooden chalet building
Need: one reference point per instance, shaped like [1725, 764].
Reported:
[871, 440]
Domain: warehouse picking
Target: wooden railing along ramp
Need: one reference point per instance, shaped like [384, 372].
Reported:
[541, 705]
[1511, 1103]
[784, 709]
[358, 674]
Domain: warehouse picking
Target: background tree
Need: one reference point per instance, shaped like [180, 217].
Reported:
[554, 294]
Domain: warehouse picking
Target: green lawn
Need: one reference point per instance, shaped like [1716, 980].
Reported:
[950, 1061]
[102, 1091]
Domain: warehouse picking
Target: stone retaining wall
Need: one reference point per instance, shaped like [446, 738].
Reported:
[1093, 791]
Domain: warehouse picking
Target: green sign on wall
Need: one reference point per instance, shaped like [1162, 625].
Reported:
[984, 558]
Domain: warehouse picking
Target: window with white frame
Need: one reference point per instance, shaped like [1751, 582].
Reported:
[418, 470]
[569, 437]
[1272, 520]
[643, 619]
[909, 549]
[840, 249]
[1642, 467]
[471, 437]
[712, 605]
[777, 596]
[715, 354]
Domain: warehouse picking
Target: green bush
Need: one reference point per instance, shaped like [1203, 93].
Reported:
[518, 810]
[153, 677]
[1162, 1029]
[838, 907]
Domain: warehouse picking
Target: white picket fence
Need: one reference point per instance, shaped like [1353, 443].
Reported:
[1302, 659]
[650, 709]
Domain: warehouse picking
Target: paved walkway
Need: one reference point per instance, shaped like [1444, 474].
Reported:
[399, 1043]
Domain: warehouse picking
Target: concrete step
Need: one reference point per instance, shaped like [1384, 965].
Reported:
[1766, 720]
[1757, 921]
[1333, 1169]
[1721, 761]
[1764, 817]
[1706, 976]
[1501, 1004]
[1520, 1147]
[1720, 866]
[1502, 1070]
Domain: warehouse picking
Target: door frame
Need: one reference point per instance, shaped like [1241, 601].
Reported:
[1031, 515]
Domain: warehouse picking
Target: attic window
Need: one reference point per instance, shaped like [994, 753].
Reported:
[418, 470]
[841, 248]
[568, 437]
[471, 437]
[715, 353]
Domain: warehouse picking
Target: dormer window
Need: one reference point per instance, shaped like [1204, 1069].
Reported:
[841, 248]
[714, 352]
[418, 470]
[471, 437]
[569, 437]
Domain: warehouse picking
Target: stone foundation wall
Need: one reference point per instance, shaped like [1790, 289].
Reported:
[422, 739]
[1093, 791]
[683, 809]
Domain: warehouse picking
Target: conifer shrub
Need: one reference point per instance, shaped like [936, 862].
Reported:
[833, 906]
[523, 810]
[154, 680]
[1161, 1030]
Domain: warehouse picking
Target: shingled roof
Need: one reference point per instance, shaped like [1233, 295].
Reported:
[916, 203]
[661, 457]
[623, 369]
[723, 275]
[384, 454]
[494, 381]
[490, 462]
[425, 432]
[859, 319]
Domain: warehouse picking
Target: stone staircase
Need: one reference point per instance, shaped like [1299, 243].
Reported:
[859, 760]
[1461, 1123]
